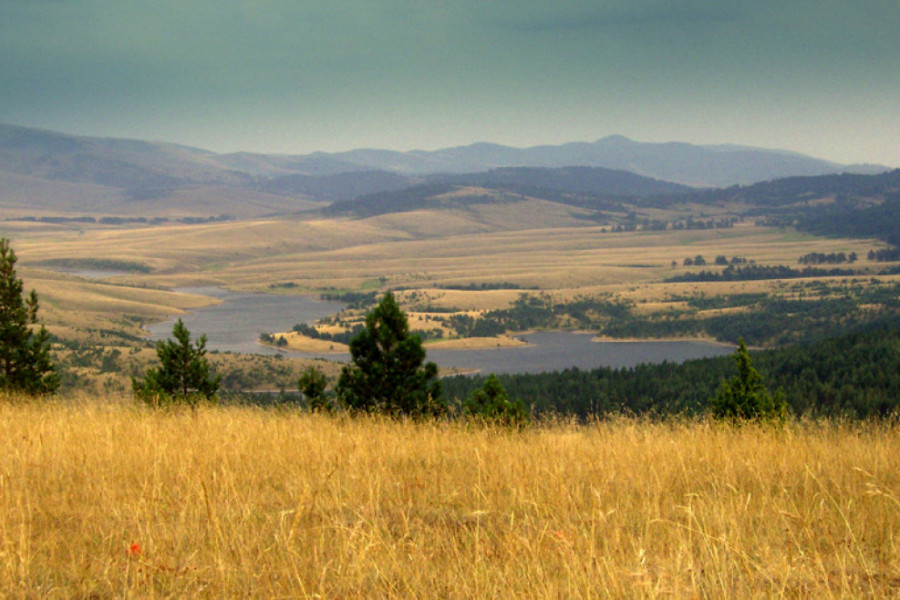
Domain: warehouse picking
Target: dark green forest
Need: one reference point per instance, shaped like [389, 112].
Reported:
[863, 205]
[854, 375]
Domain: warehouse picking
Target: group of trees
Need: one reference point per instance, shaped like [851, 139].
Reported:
[124, 220]
[832, 258]
[753, 272]
[632, 224]
[884, 254]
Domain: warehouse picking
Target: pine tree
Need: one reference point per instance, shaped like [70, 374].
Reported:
[25, 364]
[492, 403]
[745, 396]
[312, 384]
[387, 373]
[183, 375]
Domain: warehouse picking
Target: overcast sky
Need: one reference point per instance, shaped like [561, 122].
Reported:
[295, 76]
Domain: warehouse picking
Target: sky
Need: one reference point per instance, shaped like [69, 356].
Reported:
[820, 77]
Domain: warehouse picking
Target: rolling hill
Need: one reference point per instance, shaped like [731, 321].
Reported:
[589, 188]
[590, 180]
[846, 205]
[44, 173]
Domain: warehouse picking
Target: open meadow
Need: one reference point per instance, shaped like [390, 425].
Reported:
[101, 498]
[342, 253]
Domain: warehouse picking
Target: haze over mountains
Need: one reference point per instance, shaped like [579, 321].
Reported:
[42, 172]
[709, 166]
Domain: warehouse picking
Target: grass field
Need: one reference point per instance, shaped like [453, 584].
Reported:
[104, 499]
[350, 254]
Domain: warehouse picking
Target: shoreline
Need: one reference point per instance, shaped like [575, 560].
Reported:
[629, 340]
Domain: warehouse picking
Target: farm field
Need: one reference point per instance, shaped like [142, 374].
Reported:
[102, 498]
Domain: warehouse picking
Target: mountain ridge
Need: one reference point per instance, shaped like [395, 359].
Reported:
[148, 176]
[718, 165]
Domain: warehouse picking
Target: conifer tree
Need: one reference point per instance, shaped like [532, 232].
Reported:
[25, 364]
[745, 396]
[388, 372]
[313, 384]
[183, 375]
[492, 403]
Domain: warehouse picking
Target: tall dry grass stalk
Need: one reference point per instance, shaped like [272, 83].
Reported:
[245, 502]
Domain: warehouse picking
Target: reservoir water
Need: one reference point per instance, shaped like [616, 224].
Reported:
[235, 324]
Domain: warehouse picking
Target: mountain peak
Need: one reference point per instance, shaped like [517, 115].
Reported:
[615, 138]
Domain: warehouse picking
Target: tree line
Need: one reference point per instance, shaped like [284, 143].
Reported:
[755, 272]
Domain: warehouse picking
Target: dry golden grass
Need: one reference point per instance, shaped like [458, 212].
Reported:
[500, 341]
[244, 502]
[70, 305]
[419, 249]
[302, 343]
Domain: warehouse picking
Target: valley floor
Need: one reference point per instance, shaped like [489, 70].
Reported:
[101, 498]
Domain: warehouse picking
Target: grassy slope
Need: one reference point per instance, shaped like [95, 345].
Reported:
[70, 306]
[246, 502]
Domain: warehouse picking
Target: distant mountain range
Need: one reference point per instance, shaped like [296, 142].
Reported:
[44, 172]
[705, 166]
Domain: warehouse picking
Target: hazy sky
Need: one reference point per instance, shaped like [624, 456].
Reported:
[294, 76]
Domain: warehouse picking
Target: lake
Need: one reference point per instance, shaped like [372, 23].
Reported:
[235, 324]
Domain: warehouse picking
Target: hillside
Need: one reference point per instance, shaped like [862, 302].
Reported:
[49, 173]
[835, 205]
[45, 173]
[142, 168]
[860, 206]
[445, 196]
[591, 188]
[590, 180]
[336, 187]
[804, 190]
